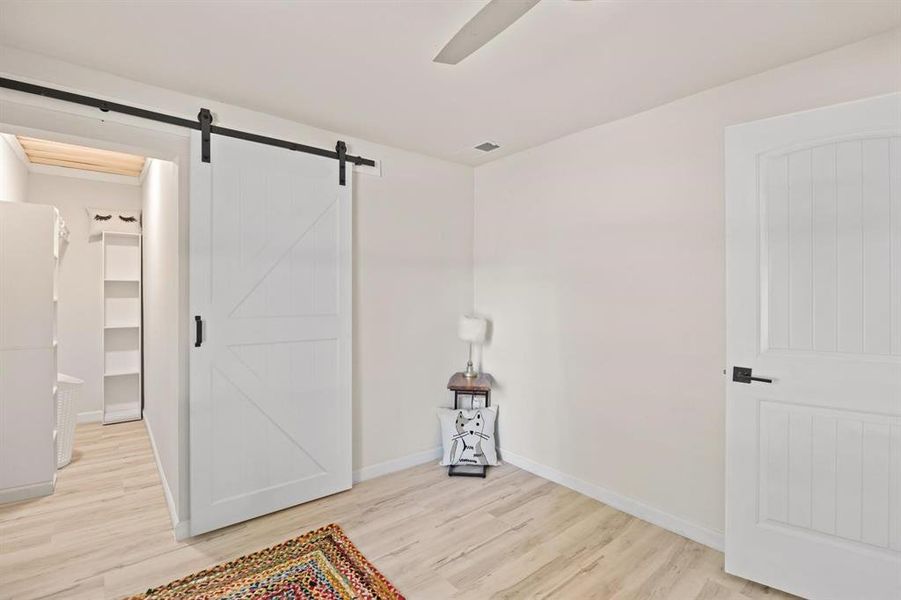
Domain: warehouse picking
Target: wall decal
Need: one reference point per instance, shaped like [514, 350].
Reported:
[119, 221]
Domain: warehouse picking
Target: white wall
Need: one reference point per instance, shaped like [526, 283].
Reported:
[13, 173]
[600, 259]
[412, 273]
[412, 280]
[80, 312]
[161, 317]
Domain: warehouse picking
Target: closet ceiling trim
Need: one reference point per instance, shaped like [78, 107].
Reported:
[59, 154]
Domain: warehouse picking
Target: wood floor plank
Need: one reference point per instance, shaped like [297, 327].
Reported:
[106, 533]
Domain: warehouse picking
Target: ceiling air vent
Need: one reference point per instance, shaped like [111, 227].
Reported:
[487, 146]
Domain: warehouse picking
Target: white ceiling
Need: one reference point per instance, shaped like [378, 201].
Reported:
[365, 68]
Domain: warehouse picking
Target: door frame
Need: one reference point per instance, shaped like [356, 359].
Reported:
[26, 114]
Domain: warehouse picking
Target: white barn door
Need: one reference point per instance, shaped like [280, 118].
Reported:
[270, 405]
[813, 499]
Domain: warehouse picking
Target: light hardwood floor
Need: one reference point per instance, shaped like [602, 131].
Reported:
[106, 533]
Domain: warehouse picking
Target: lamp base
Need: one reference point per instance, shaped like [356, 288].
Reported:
[470, 373]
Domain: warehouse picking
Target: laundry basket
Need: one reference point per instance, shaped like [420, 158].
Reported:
[67, 389]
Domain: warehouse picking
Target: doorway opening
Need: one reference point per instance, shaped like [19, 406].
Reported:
[103, 303]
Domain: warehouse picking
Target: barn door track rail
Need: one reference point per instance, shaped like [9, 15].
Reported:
[204, 124]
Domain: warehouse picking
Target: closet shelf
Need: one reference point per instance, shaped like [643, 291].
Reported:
[121, 373]
[121, 339]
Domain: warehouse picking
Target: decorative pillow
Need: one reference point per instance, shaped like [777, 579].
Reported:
[468, 436]
[108, 219]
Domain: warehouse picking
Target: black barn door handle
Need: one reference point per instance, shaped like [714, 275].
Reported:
[198, 331]
[743, 375]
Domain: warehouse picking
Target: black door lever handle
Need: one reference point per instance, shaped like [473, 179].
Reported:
[743, 375]
[198, 331]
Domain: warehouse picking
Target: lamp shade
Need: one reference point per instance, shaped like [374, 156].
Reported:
[472, 329]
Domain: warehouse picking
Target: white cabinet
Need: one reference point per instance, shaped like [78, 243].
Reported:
[28, 278]
[121, 254]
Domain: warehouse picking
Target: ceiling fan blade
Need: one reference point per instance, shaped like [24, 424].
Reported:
[494, 17]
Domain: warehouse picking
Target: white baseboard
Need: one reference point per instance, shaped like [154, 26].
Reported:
[396, 464]
[89, 416]
[26, 492]
[121, 416]
[179, 527]
[182, 530]
[702, 535]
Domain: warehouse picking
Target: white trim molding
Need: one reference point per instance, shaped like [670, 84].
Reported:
[702, 535]
[180, 528]
[89, 416]
[396, 464]
[26, 492]
[84, 174]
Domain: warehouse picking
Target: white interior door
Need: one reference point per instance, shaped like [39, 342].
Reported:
[813, 499]
[271, 383]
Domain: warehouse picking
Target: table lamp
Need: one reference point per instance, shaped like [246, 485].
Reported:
[472, 329]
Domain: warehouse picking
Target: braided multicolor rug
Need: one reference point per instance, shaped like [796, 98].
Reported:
[322, 564]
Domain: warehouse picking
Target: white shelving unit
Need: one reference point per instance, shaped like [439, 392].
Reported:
[121, 327]
[29, 249]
